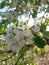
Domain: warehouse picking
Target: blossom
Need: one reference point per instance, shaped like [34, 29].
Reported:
[47, 28]
[20, 38]
[30, 22]
[9, 32]
[27, 36]
[18, 35]
[36, 29]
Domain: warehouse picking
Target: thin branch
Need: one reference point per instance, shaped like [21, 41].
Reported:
[21, 54]
[7, 58]
[3, 33]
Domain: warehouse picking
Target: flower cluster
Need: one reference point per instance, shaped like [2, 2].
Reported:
[18, 38]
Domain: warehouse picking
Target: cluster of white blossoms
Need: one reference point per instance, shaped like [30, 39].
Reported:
[16, 39]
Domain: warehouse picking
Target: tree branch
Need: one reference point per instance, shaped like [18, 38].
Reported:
[26, 47]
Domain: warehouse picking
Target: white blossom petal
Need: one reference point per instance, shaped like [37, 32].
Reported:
[36, 29]
[27, 33]
[47, 28]
[29, 41]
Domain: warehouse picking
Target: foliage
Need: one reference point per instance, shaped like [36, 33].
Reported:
[18, 34]
[39, 41]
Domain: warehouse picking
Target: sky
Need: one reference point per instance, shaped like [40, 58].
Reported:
[1, 1]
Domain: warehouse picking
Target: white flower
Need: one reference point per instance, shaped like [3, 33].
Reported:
[18, 35]
[15, 48]
[29, 41]
[11, 42]
[21, 44]
[27, 33]
[46, 15]
[27, 36]
[9, 32]
[47, 28]
[19, 40]
[36, 29]
[40, 14]
[30, 22]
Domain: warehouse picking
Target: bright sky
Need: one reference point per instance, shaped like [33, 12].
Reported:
[1, 1]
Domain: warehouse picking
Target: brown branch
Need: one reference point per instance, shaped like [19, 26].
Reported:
[20, 55]
[8, 57]
[3, 33]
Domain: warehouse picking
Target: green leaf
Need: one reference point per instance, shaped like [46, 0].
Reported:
[31, 1]
[2, 4]
[37, 2]
[33, 63]
[36, 51]
[47, 9]
[20, 63]
[34, 13]
[46, 33]
[42, 51]
[43, 27]
[39, 41]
